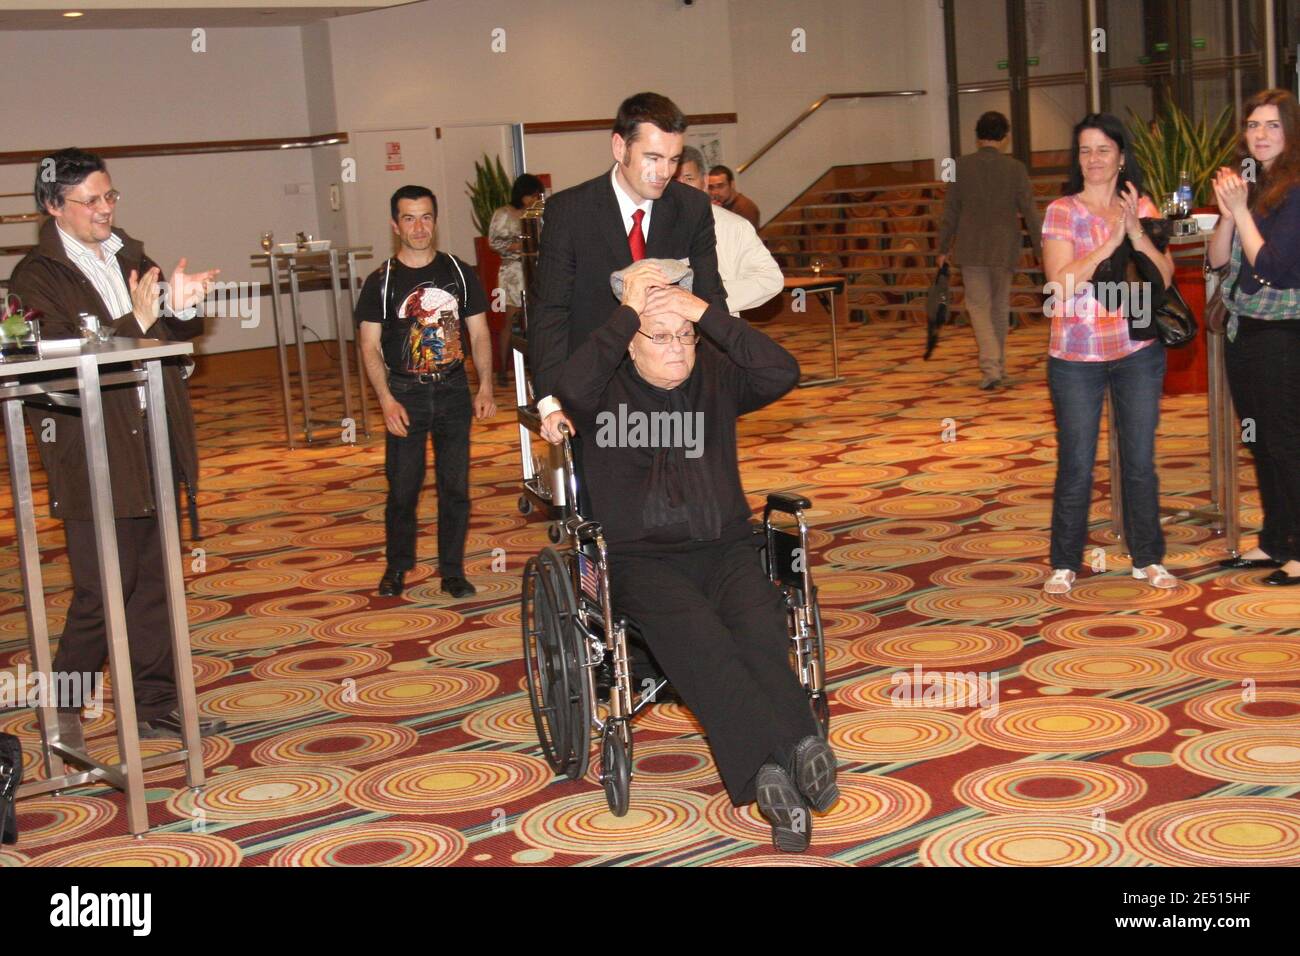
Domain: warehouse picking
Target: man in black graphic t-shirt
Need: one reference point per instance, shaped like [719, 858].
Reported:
[409, 316]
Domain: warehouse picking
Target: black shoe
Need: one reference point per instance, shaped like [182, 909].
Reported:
[392, 583]
[779, 801]
[990, 383]
[1232, 564]
[814, 773]
[458, 587]
[1282, 579]
[168, 727]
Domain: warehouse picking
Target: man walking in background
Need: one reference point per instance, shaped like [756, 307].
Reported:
[980, 210]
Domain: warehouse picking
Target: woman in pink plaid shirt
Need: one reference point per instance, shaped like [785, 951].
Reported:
[1091, 349]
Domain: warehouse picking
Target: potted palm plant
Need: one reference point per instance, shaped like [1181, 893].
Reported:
[1172, 144]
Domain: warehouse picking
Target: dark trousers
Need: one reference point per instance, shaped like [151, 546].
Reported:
[718, 627]
[1264, 376]
[441, 410]
[1077, 390]
[84, 644]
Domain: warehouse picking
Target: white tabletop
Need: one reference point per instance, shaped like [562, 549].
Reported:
[117, 350]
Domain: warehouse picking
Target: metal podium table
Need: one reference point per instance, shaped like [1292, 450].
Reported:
[824, 286]
[81, 388]
[341, 264]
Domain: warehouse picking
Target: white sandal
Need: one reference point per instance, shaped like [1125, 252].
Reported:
[1156, 575]
[1060, 582]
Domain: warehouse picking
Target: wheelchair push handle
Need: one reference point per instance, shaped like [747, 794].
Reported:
[789, 504]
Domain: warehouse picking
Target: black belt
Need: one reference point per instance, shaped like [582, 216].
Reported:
[428, 378]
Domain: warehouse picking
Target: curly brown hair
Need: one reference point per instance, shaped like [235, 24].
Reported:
[1272, 185]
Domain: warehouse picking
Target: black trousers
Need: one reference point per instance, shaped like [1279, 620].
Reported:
[718, 627]
[84, 644]
[441, 411]
[1264, 377]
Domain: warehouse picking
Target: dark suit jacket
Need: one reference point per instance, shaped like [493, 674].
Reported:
[584, 240]
[981, 206]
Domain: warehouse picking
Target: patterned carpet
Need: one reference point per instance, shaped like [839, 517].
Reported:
[1132, 726]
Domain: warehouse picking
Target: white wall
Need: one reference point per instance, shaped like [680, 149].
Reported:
[104, 88]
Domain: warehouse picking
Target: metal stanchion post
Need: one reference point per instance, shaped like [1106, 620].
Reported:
[353, 292]
[301, 347]
[274, 270]
[335, 291]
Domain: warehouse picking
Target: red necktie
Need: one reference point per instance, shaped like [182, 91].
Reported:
[635, 238]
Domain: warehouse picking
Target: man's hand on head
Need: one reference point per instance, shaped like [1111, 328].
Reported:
[674, 300]
[638, 280]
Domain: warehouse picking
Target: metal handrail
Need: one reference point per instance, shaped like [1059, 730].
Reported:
[814, 107]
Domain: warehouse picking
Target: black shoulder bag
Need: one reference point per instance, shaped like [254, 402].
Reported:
[1170, 319]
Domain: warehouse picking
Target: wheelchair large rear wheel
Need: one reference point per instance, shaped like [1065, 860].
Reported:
[553, 661]
[616, 765]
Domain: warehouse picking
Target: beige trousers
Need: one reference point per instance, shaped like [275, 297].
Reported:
[988, 303]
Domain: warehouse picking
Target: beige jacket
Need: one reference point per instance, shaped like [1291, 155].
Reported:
[749, 274]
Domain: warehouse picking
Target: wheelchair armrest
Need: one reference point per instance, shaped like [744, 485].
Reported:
[790, 504]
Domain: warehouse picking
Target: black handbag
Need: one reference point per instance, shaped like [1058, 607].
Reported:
[11, 774]
[1171, 319]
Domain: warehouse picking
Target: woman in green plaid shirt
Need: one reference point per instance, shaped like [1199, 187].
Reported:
[1259, 237]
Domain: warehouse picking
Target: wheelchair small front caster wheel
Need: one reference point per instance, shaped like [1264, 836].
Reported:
[525, 506]
[615, 769]
[555, 532]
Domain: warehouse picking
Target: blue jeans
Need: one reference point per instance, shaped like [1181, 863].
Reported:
[1077, 390]
[441, 410]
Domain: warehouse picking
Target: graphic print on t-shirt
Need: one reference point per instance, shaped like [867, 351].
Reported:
[434, 337]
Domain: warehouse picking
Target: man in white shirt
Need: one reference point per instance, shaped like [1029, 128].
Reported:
[749, 273]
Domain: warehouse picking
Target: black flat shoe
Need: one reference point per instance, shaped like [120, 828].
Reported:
[1232, 564]
[814, 773]
[458, 587]
[1281, 579]
[168, 727]
[779, 801]
[392, 583]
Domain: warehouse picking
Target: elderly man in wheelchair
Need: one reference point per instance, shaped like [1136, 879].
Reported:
[655, 394]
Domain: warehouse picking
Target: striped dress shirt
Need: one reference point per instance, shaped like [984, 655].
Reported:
[104, 274]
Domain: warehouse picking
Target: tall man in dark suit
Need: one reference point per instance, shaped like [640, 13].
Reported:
[635, 211]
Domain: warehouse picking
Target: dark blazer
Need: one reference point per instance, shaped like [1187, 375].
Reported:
[46, 279]
[584, 240]
[980, 209]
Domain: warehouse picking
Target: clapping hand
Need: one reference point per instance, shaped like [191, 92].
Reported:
[1230, 193]
[189, 289]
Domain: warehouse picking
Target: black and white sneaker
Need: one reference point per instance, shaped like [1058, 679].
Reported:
[814, 773]
[779, 801]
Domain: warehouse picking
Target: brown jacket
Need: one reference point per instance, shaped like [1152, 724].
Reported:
[46, 279]
[981, 206]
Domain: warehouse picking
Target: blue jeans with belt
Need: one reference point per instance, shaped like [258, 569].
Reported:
[1077, 389]
[440, 410]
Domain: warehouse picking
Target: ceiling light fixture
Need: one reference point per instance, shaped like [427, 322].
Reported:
[73, 14]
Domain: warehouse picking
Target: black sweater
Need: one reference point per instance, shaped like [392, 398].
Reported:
[737, 370]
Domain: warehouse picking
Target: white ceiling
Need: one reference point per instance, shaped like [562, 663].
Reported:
[149, 14]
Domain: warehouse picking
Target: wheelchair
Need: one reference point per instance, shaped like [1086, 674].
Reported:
[572, 632]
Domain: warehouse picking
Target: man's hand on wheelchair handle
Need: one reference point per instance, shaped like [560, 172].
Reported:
[395, 418]
[551, 426]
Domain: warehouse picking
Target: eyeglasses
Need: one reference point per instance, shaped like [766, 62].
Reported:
[685, 336]
[111, 197]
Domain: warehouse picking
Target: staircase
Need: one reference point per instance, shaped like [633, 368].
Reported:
[881, 238]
